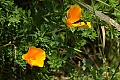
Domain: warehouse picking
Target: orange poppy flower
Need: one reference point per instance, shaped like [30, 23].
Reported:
[73, 16]
[35, 56]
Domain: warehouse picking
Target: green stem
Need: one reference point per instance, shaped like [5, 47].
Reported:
[115, 71]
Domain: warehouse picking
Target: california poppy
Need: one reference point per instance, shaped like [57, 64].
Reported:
[73, 16]
[35, 56]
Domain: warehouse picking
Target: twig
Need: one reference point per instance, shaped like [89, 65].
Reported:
[14, 54]
[103, 35]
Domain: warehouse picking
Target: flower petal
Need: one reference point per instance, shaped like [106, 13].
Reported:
[24, 56]
[80, 24]
[74, 14]
[35, 56]
[85, 25]
[31, 52]
[38, 63]
[40, 55]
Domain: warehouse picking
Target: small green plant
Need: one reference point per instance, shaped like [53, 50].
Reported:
[71, 53]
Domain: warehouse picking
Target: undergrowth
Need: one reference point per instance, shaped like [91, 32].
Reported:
[72, 54]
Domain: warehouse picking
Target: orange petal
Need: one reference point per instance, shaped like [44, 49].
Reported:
[74, 14]
[38, 63]
[80, 24]
[31, 52]
[69, 24]
[35, 56]
[85, 25]
[40, 55]
[24, 56]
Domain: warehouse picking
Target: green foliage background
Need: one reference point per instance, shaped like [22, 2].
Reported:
[74, 54]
